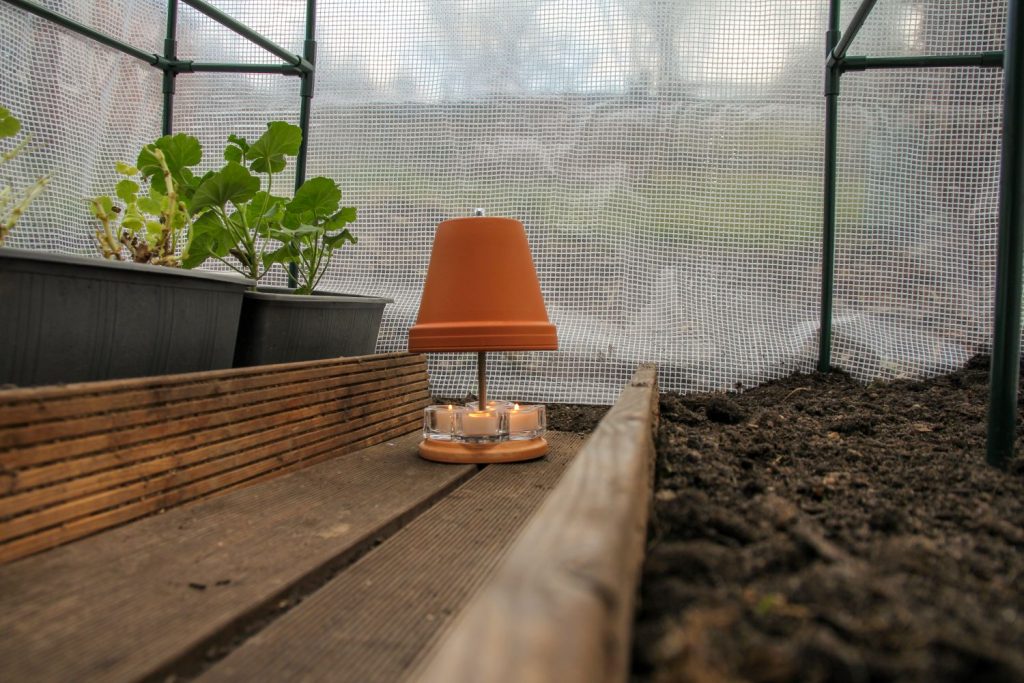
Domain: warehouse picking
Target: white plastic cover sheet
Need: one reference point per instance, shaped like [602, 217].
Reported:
[665, 157]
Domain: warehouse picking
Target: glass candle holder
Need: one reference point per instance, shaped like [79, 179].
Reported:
[491, 405]
[526, 422]
[480, 426]
[439, 421]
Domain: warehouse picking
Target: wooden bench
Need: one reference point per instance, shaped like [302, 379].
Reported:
[365, 563]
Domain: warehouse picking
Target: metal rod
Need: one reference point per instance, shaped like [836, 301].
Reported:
[82, 29]
[981, 59]
[286, 69]
[828, 237]
[481, 380]
[839, 50]
[1002, 412]
[171, 55]
[249, 34]
[305, 107]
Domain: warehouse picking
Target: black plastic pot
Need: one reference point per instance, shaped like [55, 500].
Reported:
[75, 319]
[279, 327]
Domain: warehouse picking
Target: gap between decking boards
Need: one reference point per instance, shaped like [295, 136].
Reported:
[212, 650]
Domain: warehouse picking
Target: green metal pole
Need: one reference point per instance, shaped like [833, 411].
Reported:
[305, 105]
[249, 34]
[1002, 412]
[981, 59]
[82, 29]
[171, 55]
[828, 242]
[859, 17]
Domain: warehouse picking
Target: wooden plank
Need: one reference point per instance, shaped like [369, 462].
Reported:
[65, 479]
[560, 606]
[255, 474]
[181, 484]
[191, 429]
[165, 418]
[130, 603]
[41, 404]
[371, 622]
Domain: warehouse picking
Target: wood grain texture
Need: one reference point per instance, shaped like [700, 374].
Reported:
[136, 601]
[201, 478]
[41, 404]
[371, 622]
[560, 606]
[70, 465]
[38, 444]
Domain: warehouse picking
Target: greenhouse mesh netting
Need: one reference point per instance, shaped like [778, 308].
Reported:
[665, 157]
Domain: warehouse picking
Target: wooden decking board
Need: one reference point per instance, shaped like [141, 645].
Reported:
[373, 620]
[54, 483]
[559, 609]
[131, 602]
[39, 444]
[33, 405]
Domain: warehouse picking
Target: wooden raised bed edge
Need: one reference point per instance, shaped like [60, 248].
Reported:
[71, 464]
[560, 606]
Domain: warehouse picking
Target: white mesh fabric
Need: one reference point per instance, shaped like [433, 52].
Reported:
[85, 105]
[665, 157]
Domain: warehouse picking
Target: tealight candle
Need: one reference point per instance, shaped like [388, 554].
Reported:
[525, 421]
[439, 421]
[481, 423]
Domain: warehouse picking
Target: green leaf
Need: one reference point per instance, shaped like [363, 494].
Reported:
[153, 204]
[127, 190]
[320, 196]
[341, 219]
[285, 254]
[301, 233]
[264, 212]
[101, 206]
[208, 238]
[267, 155]
[232, 153]
[336, 241]
[180, 151]
[126, 169]
[9, 126]
[132, 219]
[239, 141]
[154, 231]
[233, 183]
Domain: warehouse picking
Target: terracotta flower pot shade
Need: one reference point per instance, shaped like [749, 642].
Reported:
[481, 291]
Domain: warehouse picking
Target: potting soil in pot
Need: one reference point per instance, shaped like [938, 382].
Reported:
[818, 529]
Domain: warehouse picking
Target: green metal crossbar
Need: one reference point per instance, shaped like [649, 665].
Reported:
[1002, 416]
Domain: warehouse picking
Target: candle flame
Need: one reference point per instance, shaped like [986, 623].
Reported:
[515, 406]
[449, 406]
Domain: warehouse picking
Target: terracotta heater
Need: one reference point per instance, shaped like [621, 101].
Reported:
[481, 295]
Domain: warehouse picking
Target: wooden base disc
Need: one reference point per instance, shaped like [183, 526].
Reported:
[483, 453]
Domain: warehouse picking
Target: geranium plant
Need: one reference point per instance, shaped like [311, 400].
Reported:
[150, 225]
[13, 206]
[238, 218]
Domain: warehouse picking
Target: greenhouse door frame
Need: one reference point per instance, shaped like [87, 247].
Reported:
[1003, 380]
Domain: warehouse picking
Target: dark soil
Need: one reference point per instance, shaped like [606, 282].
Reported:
[817, 529]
